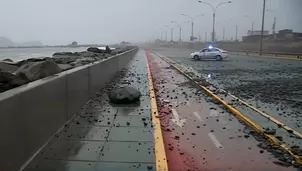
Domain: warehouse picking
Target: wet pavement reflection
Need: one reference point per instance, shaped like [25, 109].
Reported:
[103, 137]
[200, 134]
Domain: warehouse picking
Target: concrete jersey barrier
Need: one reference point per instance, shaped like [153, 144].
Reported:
[32, 113]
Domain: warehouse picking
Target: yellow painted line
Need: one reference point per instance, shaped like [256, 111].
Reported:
[291, 57]
[160, 153]
[239, 115]
[280, 124]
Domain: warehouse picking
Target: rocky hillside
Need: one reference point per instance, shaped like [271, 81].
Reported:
[5, 42]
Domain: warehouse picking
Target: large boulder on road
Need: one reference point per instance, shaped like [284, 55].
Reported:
[38, 70]
[124, 95]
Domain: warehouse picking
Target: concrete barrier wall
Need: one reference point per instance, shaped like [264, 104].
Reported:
[32, 113]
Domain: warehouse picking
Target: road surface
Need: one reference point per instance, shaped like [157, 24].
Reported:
[200, 134]
[190, 132]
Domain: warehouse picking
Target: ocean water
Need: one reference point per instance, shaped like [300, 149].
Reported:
[17, 54]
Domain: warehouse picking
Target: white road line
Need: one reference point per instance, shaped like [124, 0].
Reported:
[198, 116]
[215, 141]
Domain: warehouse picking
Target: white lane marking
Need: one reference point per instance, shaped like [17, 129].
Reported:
[177, 120]
[198, 116]
[215, 141]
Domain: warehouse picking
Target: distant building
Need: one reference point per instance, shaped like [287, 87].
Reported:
[74, 43]
[255, 36]
[257, 33]
[288, 35]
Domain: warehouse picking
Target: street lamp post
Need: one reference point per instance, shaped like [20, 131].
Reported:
[214, 15]
[179, 26]
[192, 23]
[236, 33]
[262, 27]
[171, 32]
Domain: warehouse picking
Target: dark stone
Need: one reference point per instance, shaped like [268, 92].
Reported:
[7, 60]
[65, 67]
[262, 145]
[8, 67]
[6, 76]
[282, 163]
[62, 54]
[108, 50]
[37, 59]
[95, 50]
[38, 70]
[270, 131]
[124, 95]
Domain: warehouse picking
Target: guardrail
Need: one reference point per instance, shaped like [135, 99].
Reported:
[272, 54]
[32, 113]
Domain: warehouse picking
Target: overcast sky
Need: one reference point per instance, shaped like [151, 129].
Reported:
[110, 21]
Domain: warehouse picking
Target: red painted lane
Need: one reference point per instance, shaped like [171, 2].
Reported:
[210, 139]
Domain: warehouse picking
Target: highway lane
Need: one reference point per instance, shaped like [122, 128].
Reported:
[272, 85]
[200, 134]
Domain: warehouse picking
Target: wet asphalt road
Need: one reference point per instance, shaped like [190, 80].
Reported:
[200, 134]
[275, 84]
[272, 85]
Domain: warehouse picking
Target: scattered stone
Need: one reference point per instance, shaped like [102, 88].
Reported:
[262, 145]
[280, 138]
[124, 95]
[246, 136]
[270, 131]
[282, 163]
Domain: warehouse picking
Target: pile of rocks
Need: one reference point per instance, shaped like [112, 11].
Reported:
[14, 74]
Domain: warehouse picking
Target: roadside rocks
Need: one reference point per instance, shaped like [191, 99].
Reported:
[17, 73]
[38, 70]
[95, 50]
[8, 67]
[7, 60]
[124, 95]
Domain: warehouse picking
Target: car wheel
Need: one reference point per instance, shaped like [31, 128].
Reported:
[218, 58]
[196, 57]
